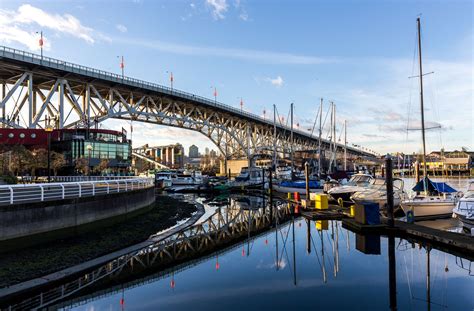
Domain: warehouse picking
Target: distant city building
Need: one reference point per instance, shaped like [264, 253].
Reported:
[169, 155]
[207, 151]
[213, 154]
[193, 151]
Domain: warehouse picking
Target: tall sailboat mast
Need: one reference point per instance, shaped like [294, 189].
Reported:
[274, 138]
[291, 146]
[425, 172]
[320, 133]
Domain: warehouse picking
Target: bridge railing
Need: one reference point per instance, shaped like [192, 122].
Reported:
[29, 193]
[101, 74]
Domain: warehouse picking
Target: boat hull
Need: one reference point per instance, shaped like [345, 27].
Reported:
[429, 209]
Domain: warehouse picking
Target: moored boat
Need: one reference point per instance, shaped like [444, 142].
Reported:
[464, 210]
[437, 199]
[376, 192]
[342, 194]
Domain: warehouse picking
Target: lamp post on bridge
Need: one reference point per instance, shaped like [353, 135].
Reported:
[41, 42]
[171, 79]
[215, 94]
[122, 66]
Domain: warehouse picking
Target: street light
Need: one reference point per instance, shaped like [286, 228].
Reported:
[48, 131]
[41, 43]
[171, 79]
[122, 66]
[89, 149]
[215, 94]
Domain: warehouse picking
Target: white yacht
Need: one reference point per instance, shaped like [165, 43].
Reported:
[283, 173]
[163, 180]
[436, 199]
[342, 194]
[376, 192]
[249, 177]
[464, 209]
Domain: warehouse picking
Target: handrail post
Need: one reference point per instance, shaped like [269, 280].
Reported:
[11, 194]
[42, 192]
[108, 187]
[80, 189]
[93, 188]
[126, 186]
[118, 186]
[62, 187]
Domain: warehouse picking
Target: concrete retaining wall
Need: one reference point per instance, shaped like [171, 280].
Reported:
[23, 220]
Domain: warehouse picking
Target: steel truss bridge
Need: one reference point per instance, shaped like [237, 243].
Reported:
[182, 250]
[37, 90]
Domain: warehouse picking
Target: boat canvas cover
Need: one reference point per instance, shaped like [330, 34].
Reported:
[433, 187]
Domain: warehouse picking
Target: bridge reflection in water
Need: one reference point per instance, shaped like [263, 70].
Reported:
[247, 227]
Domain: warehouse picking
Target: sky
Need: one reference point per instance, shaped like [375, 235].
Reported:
[358, 54]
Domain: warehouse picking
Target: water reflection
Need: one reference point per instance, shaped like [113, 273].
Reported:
[262, 257]
[287, 268]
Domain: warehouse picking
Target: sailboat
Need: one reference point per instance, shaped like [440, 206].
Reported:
[436, 199]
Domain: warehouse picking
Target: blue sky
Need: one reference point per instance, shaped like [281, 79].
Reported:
[358, 54]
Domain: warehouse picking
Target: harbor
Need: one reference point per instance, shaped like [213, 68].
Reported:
[229, 155]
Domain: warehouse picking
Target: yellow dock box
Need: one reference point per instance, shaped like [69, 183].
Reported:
[321, 201]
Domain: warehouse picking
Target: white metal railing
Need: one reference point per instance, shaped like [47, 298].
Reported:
[28, 193]
[101, 74]
[43, 179]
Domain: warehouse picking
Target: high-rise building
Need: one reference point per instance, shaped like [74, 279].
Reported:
[193, 151]
[207, 150]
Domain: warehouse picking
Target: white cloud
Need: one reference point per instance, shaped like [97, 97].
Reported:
[244, 16]
[243, 54]
[21, 25]
[193, 5]
[218, 8]
[121, 28]
[278, 81]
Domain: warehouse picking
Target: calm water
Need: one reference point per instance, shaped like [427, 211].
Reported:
[277, 271]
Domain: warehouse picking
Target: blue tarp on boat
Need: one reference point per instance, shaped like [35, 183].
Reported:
[432, 186]
[300, 184]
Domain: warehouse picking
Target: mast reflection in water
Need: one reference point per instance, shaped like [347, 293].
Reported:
[285, 267]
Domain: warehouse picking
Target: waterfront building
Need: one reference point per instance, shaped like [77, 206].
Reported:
[169, 155]
[107, 149]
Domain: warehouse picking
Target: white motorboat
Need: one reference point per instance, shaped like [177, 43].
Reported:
[376, 192]
[283, 173]
[464, 209]
[163, 180]
[342, 194]
[249, 177]
[437, 199]
[187, 179]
